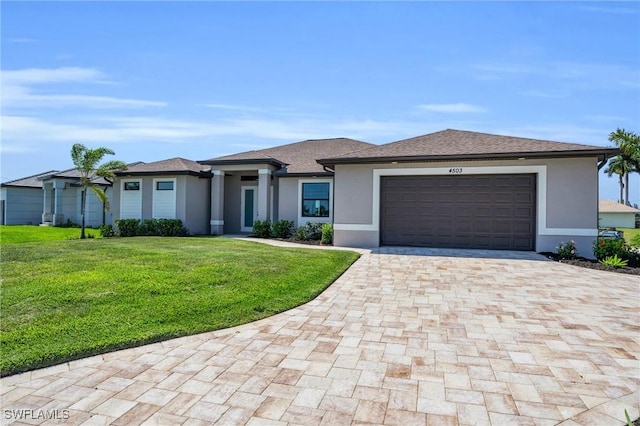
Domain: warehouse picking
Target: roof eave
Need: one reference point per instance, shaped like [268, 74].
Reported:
[164, 173]
[600, 153]
[270, 161]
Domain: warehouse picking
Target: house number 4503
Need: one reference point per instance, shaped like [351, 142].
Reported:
[455, 170]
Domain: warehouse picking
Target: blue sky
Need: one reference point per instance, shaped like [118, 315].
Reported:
[155, 80]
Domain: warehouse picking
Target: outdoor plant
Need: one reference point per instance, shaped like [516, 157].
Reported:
[603, 248]
[310, 231]
[262, 228]
[151, 227]
[107, 231]
[282, 228]
[128, 227]
[614, 261]
[327, 234]
[567, 250]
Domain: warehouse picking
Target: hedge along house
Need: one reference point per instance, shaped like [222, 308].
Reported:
[21, 200]
[281, 183]
[460, 189]
[61, 200]
[169, 189]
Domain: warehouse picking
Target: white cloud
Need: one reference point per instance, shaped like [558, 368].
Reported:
[451, 108]
[18, 92]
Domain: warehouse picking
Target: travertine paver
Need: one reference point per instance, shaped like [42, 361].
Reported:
[406, 336]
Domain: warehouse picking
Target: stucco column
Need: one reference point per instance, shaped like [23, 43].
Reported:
[58, 187]
[264, 194]
[217, 203]
[46, 207]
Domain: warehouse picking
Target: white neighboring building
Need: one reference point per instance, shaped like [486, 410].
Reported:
[616, 215]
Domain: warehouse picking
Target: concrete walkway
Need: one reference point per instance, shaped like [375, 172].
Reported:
[405, 336]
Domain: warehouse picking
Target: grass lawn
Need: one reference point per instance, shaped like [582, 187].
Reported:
[63, 300]
[630, 234]
[12, 234]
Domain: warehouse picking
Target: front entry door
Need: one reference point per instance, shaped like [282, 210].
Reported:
[248, 208]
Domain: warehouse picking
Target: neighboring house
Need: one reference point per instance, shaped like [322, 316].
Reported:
[61, 200]
[21, 200]
[170, 189]
[462, 189]
[281, 183]
[616, 215]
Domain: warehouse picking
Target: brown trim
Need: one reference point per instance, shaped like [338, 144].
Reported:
[600, 153]
[270, 161]
[163, 173]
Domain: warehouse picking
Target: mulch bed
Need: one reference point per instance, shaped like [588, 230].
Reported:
[592, 264]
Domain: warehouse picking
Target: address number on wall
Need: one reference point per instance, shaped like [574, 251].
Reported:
[455, 170]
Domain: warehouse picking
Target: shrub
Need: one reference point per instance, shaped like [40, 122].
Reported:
[262, 229]
[151, 227]
[567, 250]
[614, 261]
[282, 228]
[310, 231]
[128, 227]
[314, 230]
[327, 234]
[301, 234]
[107, 231]
[607, 248]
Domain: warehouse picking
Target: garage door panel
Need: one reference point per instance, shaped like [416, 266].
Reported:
[486, 211]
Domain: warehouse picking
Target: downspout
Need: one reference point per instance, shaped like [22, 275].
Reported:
[333, 193]
[601, 164]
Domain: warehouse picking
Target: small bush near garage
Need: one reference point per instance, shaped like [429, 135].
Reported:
[567, 250]
[605, 248]
[262, 228]
[282, 229]
[151, 227]
[327, 234]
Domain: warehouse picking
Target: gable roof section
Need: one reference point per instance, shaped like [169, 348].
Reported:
[29, 181]
[460, 145]
[610, 206]
[298, 157]
[171, 166]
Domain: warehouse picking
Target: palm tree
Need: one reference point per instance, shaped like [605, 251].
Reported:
[86, 162]
[618, 166]
[629, 159]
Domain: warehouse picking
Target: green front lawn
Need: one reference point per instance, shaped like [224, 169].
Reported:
[630, 234]
[63, 300]
[12, 234]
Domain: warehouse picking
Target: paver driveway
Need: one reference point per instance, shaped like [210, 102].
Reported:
[406, 336]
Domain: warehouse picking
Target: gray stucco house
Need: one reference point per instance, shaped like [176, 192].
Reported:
[176, 188]
[455, 189]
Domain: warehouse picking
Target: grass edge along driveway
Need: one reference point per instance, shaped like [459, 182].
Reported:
[64, 300]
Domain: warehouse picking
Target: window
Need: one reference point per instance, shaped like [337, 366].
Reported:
[132, 186]
[164, 185]
[315, 199]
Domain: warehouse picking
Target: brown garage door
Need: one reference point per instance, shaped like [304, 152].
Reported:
[470, 211]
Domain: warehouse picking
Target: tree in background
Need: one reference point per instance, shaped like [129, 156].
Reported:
[627, 162]
[87, 163]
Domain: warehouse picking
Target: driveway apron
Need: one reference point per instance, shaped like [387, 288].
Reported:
[405, 336]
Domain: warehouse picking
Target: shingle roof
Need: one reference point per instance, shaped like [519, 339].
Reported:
[460, 144]
[29, 181]
[300, 157]
[610, 206]
[170, 166]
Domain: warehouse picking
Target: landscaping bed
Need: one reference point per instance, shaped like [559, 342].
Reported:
[592, 264]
